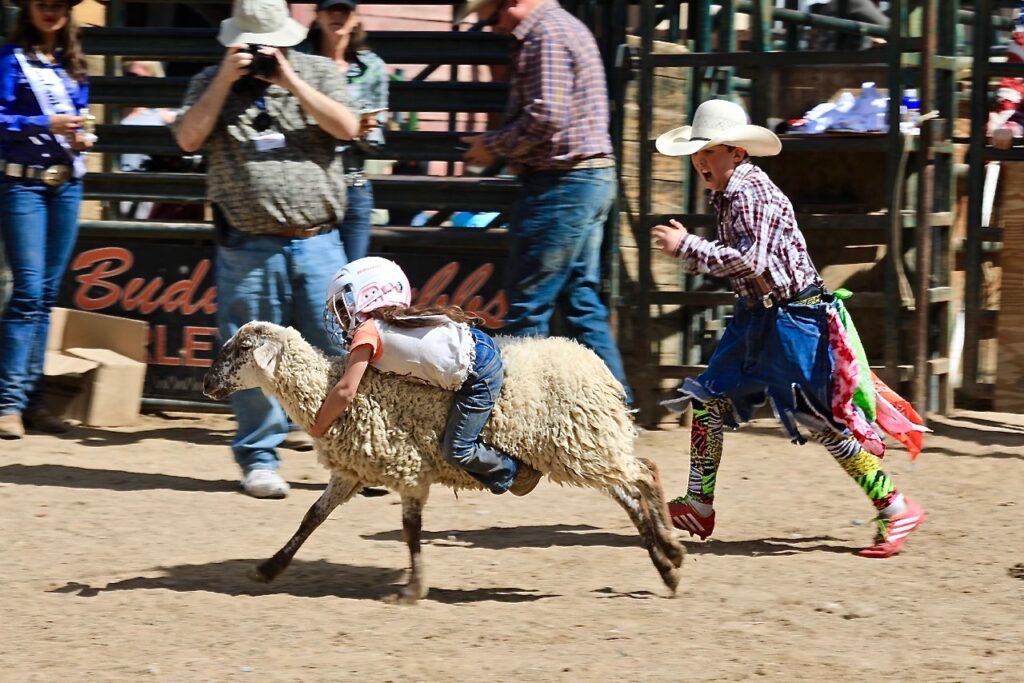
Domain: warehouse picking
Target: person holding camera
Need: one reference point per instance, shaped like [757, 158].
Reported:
[268, 119]
[338, 35]
[44, 95]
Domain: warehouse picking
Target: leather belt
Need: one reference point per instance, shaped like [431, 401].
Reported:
[50, 175]
[808, 296]
[593, 162]
[304, 233]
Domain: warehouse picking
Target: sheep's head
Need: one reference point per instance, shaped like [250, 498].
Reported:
[246, 361]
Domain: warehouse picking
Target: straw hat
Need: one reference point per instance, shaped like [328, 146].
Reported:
[470, 7]
[264, 22]
[719, 122]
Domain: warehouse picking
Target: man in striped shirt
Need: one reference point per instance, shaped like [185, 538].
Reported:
[783, 343]
[555, 137]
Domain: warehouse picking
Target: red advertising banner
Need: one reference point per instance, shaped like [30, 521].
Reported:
[170, 285]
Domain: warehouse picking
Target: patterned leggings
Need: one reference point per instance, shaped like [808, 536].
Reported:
[706, 455]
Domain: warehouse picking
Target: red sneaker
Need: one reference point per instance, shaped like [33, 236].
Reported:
[893, 531]
[686, 518]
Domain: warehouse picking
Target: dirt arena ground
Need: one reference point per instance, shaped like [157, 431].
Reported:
[125, 553]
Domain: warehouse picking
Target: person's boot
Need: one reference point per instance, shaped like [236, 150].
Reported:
[526, 480]
[42, 420]
[11, 427]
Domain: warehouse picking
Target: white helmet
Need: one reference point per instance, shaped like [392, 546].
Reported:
[365, 285]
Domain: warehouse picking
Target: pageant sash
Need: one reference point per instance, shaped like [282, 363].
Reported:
[53, 98]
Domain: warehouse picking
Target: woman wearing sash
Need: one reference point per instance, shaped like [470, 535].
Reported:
[43, 88]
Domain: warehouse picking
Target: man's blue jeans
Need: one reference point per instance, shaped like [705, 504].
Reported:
[474, 402]
[355, 227]
[39, 225]
[555, 259]
[278, 280]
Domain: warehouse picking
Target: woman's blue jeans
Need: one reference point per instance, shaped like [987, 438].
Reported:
[474, 402]
[355, 227]
[283, 281]
[555, 259]
[39, 224]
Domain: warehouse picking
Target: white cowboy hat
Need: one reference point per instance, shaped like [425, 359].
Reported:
[719, 122]
[264, 22]
[470, 7]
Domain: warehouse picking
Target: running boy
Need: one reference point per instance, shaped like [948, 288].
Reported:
[369, 300]
[776, 346]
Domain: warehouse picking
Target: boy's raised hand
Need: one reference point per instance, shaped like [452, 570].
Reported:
[668, 237]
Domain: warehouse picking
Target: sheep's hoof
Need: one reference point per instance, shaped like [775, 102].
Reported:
[407, 596]
[258, 576]
[671, 579]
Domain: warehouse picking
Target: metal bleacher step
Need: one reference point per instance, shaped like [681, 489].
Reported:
[400, 144]
[200, 45]
[419, 96]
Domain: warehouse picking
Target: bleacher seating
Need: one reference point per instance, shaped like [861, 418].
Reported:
[395, 192]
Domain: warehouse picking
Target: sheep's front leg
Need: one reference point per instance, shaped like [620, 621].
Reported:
[337, 492]
[412, 522]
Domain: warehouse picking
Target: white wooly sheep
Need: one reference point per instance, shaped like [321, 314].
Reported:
[560, 411]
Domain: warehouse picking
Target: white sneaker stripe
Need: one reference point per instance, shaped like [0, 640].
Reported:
[689, 522]
[904, 523]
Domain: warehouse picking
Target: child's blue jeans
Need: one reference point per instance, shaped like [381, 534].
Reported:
[473, 404]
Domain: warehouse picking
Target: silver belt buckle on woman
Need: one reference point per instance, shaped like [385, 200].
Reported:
[49, 175]
[55, 175]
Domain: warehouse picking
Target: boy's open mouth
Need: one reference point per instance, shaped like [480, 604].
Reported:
[707, 176]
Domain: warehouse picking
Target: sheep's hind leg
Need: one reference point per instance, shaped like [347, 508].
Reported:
[653, 496]
[631, 501]
[337, 492]
[412, 523]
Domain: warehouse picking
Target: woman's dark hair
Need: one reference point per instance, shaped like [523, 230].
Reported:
[27, 36]
[356, 42]
[411, 316]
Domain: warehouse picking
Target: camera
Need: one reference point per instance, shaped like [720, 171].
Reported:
[263, 65]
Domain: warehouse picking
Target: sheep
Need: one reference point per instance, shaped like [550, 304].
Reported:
[560, 411]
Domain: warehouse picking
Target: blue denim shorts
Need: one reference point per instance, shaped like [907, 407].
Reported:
[779, 354]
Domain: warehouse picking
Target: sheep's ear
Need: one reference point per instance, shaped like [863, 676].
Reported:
[266, 356]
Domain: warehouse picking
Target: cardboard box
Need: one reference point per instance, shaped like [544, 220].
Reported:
[95, 367]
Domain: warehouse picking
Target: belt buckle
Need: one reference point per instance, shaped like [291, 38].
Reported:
[55, 175]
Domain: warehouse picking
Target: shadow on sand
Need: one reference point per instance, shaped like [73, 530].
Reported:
[772, 546]
[569, 535]
[68, 476]
[1007, 438]
[529, 536]
[303, 579]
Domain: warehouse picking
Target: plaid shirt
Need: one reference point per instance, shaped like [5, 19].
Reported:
[557, 112]
[757, 235]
